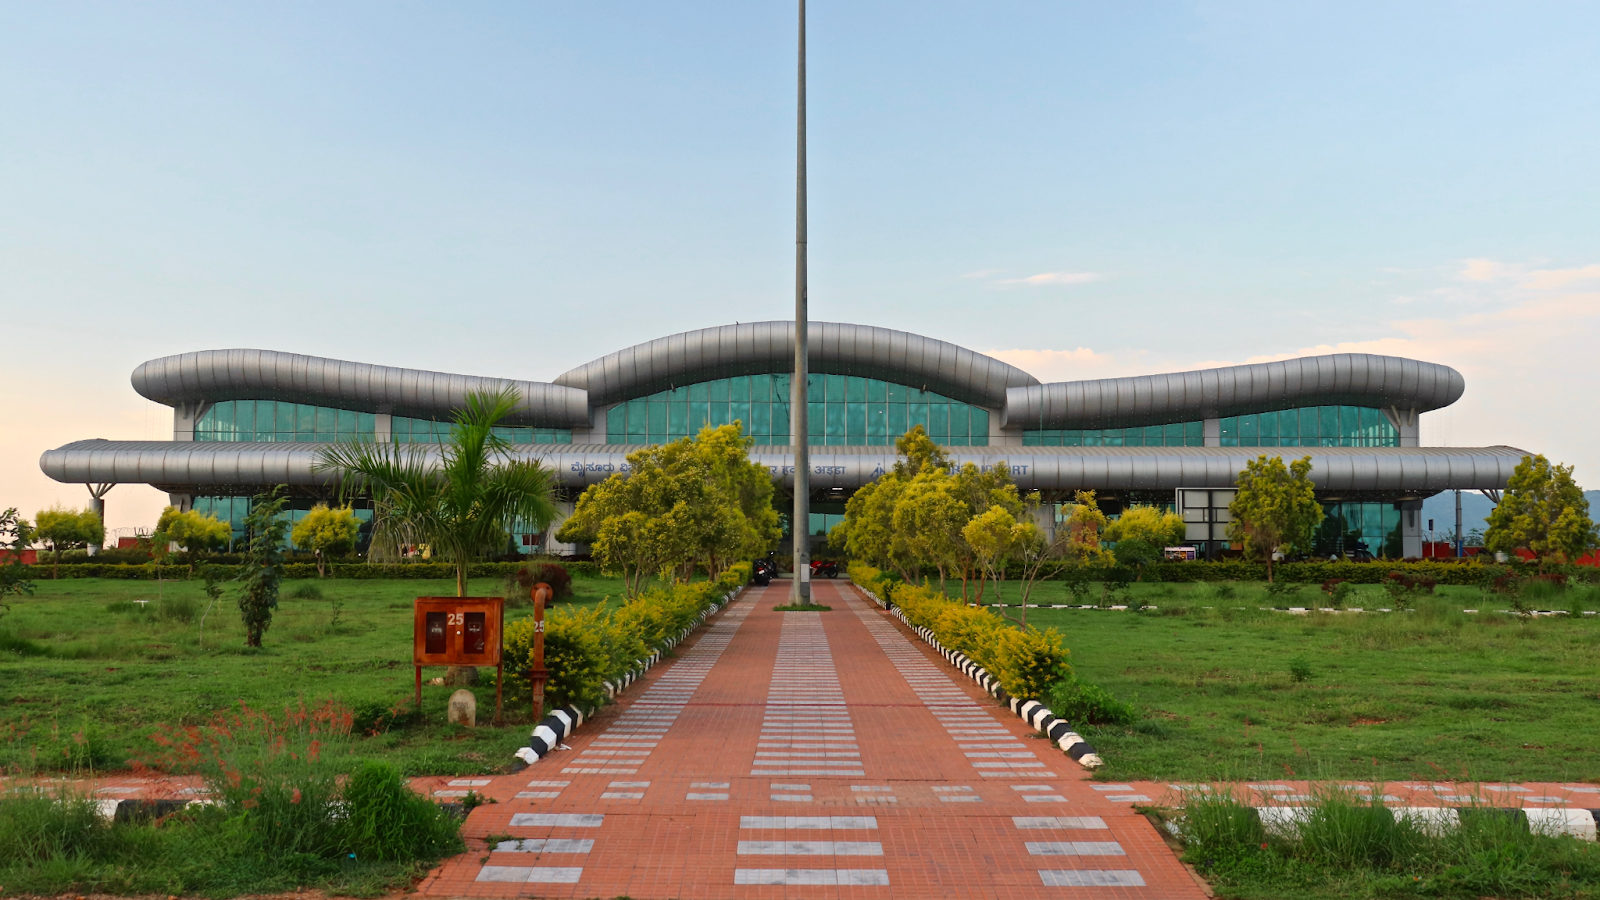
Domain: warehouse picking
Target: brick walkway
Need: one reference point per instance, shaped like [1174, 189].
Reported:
[807, 755]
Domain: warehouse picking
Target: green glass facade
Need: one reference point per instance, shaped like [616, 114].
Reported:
[1312, 426]
[1177, 434]
[275, 421]
[845, 410]
[234, 509]
[279, 422]
[1352, 526]
[424, 431]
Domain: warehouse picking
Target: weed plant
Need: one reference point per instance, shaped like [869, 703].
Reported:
[282, 815]
[1345, 846]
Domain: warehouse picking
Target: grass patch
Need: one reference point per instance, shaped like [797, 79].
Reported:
[1225, 690]
[90, 672]
[1346, 847]
[290, 808]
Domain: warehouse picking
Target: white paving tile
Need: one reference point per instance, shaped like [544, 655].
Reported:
[531, 874]
[837, 877]
[1092, 878]
[810, 848]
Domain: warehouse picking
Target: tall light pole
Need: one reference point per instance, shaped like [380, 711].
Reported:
[800, 528]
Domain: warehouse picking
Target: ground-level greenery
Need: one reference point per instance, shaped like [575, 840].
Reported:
[88, 672]
[1223, 689]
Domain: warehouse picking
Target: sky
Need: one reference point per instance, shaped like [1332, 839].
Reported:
[513, 189]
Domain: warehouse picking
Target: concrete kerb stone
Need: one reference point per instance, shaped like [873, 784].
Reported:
[1584, 824]
[1033, 712]
[562, 722]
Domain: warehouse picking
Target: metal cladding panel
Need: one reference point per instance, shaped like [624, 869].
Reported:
[1408, 469]
[1357, 379]
[216, 375]
[768, 347]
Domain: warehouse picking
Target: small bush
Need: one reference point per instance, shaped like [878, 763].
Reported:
[1282, 590]
[386, 820]
[1083, 703]
[1299, 669]
[310, 590]
[1343, 593]
[179, 609]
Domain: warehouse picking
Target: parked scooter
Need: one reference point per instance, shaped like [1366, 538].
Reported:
[762, 571]
[824, 569]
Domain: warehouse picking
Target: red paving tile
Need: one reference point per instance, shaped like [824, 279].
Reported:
[665, 845]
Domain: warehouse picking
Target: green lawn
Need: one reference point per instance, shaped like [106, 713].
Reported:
[1433, 693]
[79, 657]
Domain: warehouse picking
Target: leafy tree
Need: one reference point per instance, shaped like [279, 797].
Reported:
[928, 520]
[327, 532]
[15, 534]
[194, 532]
[463, 503]
[1275, 508]
[996, 536]
[1084, 526]
[263, 564]
[1543, 511]
[696, 501]
[65, 529]
[1143, 532]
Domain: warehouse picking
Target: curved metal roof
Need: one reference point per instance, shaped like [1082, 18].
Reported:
[213, 375]
[1423, 470]
[1357, 379]
[755, 348]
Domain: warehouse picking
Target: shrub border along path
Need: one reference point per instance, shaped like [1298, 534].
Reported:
[563, 721]
[1031, 711]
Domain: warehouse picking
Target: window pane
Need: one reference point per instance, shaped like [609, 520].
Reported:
[980, 426]
[739, 387]
[698, 391]
[1309, 427]
[817, 421]
[617, 424]
[960, 422]
[719, 389]
[877, 420]
[897, 419]
[856, 390]
[781, 389]
[917, 414]
[939, 422]
[1349, 425]
[1249, 432]
[677, 419]
[327, 420]
[856, 421]
[838, 388]
[719, 414]
[876, 390]
[739, 411]
[657, 420]
[816, 387]
[1230, 431]
[264, 418]
[898, 393]
[761, 419]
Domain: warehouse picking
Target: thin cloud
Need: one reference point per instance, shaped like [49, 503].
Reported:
[1046, 278]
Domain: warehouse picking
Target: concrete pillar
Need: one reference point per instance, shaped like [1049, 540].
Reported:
[1213, 432]
[383, 427]
[1410, 528]
[184, 417]
[1405, 421]
[597, 432]
[1000, 437]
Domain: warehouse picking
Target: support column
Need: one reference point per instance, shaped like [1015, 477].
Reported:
[383, 427]
[1213, 432]
[1410, 528]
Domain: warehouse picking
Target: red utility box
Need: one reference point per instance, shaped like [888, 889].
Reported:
[458, 631]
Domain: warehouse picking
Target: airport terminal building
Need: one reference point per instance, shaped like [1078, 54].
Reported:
[244, 420]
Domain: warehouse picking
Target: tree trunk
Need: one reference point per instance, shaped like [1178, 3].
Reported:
[55, 568]
[322, 571]
[1269, 567]
[461, 578]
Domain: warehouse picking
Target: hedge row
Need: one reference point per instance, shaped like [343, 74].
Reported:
[1471, 573]
[585, 648]
[1027, 661]
[353, 571]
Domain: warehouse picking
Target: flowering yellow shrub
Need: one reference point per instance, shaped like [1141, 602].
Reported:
[1027, 661]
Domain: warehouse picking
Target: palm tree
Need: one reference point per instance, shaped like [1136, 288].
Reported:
[462, 501]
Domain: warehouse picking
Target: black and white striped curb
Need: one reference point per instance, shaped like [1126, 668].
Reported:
[1300, 610]
[1031, 711]
[561, 722]
[1584, 824]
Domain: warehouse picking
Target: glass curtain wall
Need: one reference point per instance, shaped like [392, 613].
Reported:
[233, 510]
[844, 411]
[427, 431]
[1313, 426]
[1176, 434]
[1374, 527]
[275, 421]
